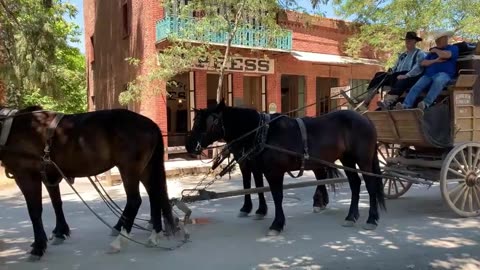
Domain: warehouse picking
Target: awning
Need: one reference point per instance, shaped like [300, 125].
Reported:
[332, 58]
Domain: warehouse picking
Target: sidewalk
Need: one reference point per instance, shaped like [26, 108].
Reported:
[173, 168]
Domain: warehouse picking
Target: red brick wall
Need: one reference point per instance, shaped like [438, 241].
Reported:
[319, 34]
[201, 89]
[110, 73]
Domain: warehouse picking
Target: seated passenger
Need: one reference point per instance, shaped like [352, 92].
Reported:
[403, 75]
[440, 68]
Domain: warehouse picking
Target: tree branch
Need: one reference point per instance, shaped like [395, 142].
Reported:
[231, 35]
[9, 12]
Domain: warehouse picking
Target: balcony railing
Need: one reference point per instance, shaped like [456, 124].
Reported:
[245, 37]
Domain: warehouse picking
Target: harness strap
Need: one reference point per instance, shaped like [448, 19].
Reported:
[306, 156]
[7, 125]
[46, 151]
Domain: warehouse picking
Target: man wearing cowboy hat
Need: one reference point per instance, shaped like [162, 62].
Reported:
[440, 68]
[403, 75]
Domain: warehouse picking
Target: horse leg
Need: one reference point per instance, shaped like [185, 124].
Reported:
[375, 191]
[131, 185]
[354, 181]
[262, 204]
[276, 186]
[247, 182]
[61, 231]
[320, 198]
[31, 187]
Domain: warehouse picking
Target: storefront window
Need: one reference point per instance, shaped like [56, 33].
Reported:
[359, 87]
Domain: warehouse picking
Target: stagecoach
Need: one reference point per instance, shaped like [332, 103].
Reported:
[440, 144]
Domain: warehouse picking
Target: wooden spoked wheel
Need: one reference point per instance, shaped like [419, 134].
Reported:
[460, 179]
[393, 188]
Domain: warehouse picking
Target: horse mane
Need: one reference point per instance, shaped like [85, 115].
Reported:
[240, 121]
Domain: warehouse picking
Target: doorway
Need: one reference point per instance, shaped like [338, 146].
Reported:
[177, 109]
[252, 92]
[293, 94]
[324, 103]
[212, 85]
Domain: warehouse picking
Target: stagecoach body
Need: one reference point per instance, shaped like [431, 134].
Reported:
[440, 144]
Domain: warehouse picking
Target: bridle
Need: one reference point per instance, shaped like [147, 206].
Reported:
[216, 126]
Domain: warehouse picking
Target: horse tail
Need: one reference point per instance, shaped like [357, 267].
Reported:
[158, 175]
[379, 183]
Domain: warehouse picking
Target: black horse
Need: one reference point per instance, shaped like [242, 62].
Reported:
[344, 135]
[83, 145]
[249, 167]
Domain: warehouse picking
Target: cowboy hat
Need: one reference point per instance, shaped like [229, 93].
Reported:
[412, 35]
[441, 33]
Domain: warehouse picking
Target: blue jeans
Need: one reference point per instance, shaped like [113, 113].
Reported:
[436, 82]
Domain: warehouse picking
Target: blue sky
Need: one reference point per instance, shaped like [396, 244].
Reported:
[328, 10]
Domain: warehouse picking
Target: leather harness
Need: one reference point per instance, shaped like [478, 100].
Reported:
[9, 115]
[306, 156]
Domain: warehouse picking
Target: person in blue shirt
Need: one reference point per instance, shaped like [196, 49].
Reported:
[440, 68]
[403, 75]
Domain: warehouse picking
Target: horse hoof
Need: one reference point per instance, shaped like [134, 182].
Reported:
[348, 223]
[114, 232]
[258, 217]
[57, 241]
[150, 243]
[369, 227]
[113, 250]
[273, 233]
[317, 209]
[34, 258]
[150, 226]
[242, 214]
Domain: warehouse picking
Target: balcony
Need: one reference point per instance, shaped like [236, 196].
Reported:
[244, 38]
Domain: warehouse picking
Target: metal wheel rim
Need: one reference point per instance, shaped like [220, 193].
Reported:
[460, 179]
[392, 188]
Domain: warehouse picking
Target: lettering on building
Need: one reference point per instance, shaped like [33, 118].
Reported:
[238, 64]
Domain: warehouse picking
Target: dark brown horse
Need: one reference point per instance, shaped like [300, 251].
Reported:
[344, 135]
[83, 145]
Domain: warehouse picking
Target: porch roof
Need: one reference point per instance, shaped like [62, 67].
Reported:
[332, 58]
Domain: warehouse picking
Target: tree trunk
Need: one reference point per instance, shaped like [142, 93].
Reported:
[227, 51]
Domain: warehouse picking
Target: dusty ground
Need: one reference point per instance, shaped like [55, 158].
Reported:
[417, 232]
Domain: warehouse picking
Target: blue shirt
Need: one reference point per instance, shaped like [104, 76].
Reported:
[449, 66]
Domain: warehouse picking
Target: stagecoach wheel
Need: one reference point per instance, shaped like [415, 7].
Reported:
[460, 179]
[393, 189]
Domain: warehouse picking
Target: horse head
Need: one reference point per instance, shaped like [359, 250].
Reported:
[208, 127]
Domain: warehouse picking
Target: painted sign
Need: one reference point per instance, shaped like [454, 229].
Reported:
[272, 108]
[335, 92]
[176, 90]
[463, 99]
[238, 64]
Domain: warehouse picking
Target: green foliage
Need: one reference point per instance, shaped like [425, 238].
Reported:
[193, 39]
[37, 65]
[384, 23]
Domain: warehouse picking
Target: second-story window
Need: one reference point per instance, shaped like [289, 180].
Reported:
[125, 19]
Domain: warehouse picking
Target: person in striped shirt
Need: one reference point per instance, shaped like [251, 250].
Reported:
[403, 75]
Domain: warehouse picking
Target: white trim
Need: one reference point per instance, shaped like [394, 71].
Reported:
[332, 58]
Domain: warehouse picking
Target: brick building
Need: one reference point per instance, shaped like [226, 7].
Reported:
[300, 70]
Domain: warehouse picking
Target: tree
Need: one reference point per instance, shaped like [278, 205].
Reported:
[36, 63]
[200, 27]
[382, 23]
